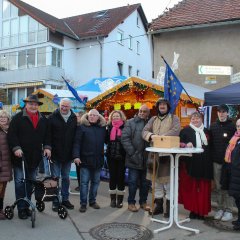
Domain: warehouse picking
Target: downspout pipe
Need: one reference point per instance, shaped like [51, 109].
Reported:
[101, 57]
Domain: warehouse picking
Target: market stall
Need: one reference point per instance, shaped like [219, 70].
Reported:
[131, 93]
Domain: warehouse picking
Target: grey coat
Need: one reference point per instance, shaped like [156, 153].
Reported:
[133, 143]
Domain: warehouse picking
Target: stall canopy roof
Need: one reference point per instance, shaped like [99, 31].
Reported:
[101, 85]
[226, 95]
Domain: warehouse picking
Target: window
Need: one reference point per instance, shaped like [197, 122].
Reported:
[56, 57]
[23, 30]
[130, 42]
[138, 47]
[138, 72]
[41, 57]
[14, 32]
[32, 29]
[3, 62]
[42, 33]
[21, 94]
[30, 90]
[30, 58]
[120, 68]
[6, 34]
[22, 62]
[12, 61]
[100, 14]
[11, 96]
[129, 71]
[59, 58]
[14, 11]
[6, 9]
[120, 37]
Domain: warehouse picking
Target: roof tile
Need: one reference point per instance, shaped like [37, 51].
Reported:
[196, 12]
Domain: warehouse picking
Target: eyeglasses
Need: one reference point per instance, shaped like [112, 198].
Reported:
[4, 117]
[143, 111]
[93, 115]
[64, 106]
[237, 126]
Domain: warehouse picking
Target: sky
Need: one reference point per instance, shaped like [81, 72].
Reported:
[68, 8]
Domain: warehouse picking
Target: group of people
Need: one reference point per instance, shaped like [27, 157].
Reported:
[65, 137]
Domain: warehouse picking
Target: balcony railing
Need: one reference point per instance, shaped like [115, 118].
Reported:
[46, 74]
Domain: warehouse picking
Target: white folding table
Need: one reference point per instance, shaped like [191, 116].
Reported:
[174, 163]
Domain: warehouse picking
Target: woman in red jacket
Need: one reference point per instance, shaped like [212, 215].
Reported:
[5, 161]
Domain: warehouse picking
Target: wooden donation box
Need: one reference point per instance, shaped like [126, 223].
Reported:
[166, 142]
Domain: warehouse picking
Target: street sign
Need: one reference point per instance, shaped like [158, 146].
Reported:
[235, 78]
[211, 80]
[214, 70]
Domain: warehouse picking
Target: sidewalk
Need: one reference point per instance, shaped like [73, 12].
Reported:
[77, 225]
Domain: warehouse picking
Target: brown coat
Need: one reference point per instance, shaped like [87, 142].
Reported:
[169, 126]
[5, 159]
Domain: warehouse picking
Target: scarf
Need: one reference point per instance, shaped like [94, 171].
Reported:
[201, 138]
[116, 131]
[231, 146]
[34, 118]
[4, 127]
[66, 116]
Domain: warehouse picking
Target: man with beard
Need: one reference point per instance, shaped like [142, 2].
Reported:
[164, 124]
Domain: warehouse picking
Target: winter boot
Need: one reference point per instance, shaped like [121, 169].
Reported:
[166, 214]
[158, 208]
[120, 195]
[113, 200]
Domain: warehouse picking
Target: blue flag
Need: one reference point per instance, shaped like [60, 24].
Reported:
[172, 88]
[74, 92]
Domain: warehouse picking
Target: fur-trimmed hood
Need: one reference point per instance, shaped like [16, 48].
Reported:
[101, 122]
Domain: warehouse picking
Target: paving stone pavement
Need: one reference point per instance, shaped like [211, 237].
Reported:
[77, 226]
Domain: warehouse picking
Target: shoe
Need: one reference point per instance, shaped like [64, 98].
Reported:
[227, 216]
[2, 215]
[236, 222]
[218, 215]
[28, 212]
[94, 205]
[22, 214]
[193, 215]
[145, 207]
[132, 208]
[200, 217]
[55, 207]
[83, 208]
[113, 203]
[77, 189]
[236, 227]
[158, 208]
[67, 204]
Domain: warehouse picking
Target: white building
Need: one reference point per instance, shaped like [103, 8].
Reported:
[37, 49]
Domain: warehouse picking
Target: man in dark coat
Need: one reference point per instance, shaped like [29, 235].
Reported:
[88, 152]
[62, 127]
[220, 133]
[136, 159]
[27, 137]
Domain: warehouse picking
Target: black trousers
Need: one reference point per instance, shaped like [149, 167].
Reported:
[237, 201]
[117, 173]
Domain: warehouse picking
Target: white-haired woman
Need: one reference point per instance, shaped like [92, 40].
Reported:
[5, 161]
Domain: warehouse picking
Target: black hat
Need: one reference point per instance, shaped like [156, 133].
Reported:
[163, 100]
[223, 107]
[33, 98]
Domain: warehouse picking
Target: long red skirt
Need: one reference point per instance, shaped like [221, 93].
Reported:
[194, 194]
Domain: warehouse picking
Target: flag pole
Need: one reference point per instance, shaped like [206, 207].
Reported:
[181, 84]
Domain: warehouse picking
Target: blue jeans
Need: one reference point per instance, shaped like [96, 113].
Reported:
[20, 192]
[137, 178]
[89, 175]
[62, 169]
